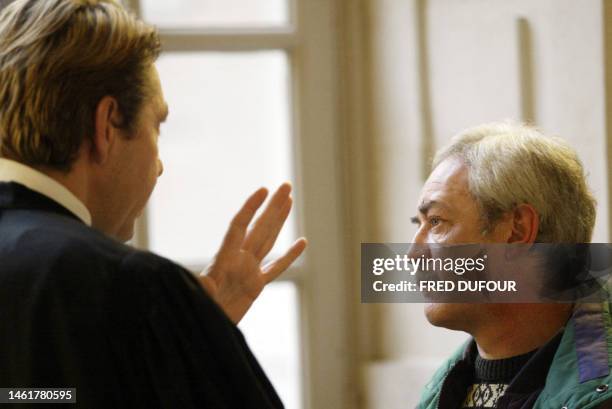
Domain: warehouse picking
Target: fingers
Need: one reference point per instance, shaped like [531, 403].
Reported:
[236, 232]
[265, 248]
[262, 236]
[276, 268]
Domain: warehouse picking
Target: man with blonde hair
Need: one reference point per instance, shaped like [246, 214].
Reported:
[80, 110]
[508, 183]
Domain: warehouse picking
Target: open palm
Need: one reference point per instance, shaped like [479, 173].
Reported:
[236, 276]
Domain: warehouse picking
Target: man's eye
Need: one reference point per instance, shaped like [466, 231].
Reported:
[434, 221]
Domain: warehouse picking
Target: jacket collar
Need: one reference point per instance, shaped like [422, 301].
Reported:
[33, 179]
[16, 196]
[525, 386]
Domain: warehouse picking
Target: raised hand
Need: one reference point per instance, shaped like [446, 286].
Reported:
[236, 277]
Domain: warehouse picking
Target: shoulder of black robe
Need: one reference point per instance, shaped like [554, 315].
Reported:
[191, 353]
[126, 328]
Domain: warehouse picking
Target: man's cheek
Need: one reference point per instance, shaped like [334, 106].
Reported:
[437, 237]
[440, 234]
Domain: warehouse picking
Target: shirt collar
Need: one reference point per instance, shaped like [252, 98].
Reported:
[11, 171]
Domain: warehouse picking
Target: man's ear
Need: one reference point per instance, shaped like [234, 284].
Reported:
[525, 224]
[107, 117]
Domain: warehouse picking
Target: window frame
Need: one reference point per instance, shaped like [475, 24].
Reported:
[310, 41]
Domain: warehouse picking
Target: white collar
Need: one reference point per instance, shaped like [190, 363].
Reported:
[11, 171]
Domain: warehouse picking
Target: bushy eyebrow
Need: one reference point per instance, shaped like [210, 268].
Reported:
[424, 208]
[426, 205]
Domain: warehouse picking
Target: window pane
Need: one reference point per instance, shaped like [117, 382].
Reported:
[271, 330]
[228, 134]
[215, 13]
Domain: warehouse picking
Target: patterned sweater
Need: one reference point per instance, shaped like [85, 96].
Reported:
[491, 379]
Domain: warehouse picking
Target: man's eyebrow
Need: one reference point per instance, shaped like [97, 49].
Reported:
[428, 204]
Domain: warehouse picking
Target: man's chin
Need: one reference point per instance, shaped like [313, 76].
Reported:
[126, 233]
[449, 315]
[433, 313]
[127, 238]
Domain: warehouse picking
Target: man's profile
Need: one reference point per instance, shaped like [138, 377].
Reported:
[506, 183]
[80, 109]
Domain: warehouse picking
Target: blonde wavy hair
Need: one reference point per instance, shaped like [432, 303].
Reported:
[511, 164]
[58, 58]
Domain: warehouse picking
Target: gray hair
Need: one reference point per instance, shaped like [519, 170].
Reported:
[510, 164]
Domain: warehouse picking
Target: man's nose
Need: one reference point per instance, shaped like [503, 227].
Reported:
[160, 167]
[419, 246]
[420, 236]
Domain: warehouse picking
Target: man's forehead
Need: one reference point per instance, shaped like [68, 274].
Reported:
[156, 95]
[447, 181]
[450, 171]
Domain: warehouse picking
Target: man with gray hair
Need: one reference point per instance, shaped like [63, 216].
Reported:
[509, 183]
[80, 110]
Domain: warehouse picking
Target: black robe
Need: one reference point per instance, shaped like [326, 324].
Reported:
[126, 328]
